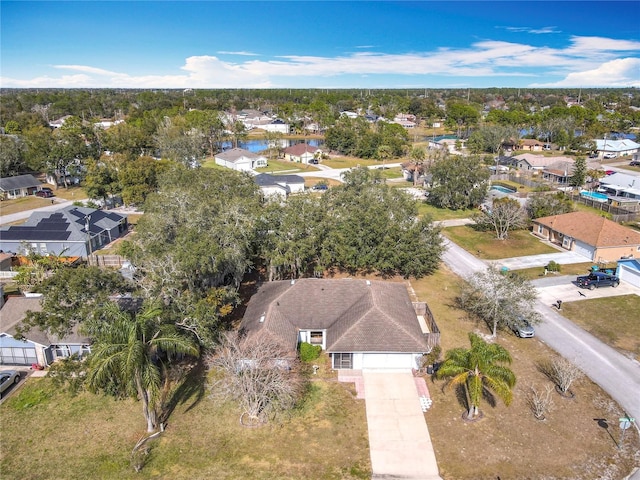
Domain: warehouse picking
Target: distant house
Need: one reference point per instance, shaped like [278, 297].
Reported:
[616, 148]
[537, 163]
[37, 347]
[19, 186]
[279, 185]
[531, 145]
[59, 122]
[276, 125]
[559, 172]
[240, 159]
[71, 231]
[589, 235]
[621, 185]
[405, 119]
[361, 324]
[301, 153]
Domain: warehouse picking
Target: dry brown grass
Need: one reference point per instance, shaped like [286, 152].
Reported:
[508, 442]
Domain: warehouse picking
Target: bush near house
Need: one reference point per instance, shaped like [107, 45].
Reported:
[309, 352]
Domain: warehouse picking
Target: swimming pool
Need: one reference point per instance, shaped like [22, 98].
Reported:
[595, 196]
[500, 188]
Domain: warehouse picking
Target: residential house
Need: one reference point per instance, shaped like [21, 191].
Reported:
[276, 125]
[71, 231]
[531, 144]
[59, 122]
[361, 324]
[559, 172]
[37, 347]
[621, 185]
[405, 119]
[19, 186]
[240, 160]
[629, 271]
[592, 236]
[279, 185]
[536, 163]
[302, 153]
[616, 148]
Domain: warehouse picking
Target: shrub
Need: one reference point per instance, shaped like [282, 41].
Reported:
[553, 266]
[309, 352]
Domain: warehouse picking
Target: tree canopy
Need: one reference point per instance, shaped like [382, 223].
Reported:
[458, 182]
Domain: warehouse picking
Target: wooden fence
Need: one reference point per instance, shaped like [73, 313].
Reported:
[108, 261]
[433, 337]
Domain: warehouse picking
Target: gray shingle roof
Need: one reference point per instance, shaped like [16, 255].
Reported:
[266, 180]
[235, 154]
[359, 316]
[18, 182]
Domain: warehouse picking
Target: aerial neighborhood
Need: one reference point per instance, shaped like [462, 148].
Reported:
[348, 283]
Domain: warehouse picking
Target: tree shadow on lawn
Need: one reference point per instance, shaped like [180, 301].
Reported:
[192, 389]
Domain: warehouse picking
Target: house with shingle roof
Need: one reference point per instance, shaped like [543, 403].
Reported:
[37, 346]
[531, 145]
[596, 238]
[71, 231]
[240, 159]
[361, 324]
[616, 148]
[531, 162]
[19, 186]
[279, 185]
[302, 153]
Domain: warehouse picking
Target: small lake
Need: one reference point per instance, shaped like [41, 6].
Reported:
[257, 146]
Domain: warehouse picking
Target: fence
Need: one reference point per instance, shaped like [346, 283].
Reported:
[618, 214]
[433, 337]
[108, 261]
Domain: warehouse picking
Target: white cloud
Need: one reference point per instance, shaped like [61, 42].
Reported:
[622, 72]
[536, 31]
[246, 54]
[585, 61]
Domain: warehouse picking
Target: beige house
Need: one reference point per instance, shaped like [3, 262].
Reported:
[594, 237]
[302, 153]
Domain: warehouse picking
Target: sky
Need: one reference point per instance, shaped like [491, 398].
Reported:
[292, 44]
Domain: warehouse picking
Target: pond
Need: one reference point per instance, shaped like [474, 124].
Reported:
[257, 146]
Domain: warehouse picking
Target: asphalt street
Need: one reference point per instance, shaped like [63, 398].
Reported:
[617, 374]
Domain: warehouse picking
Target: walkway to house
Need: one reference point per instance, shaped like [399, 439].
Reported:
[399, 441]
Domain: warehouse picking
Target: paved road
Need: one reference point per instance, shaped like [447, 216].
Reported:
[336, 173]
[618, 375]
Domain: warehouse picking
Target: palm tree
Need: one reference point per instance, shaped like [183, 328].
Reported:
[476, 368]
[132, 352]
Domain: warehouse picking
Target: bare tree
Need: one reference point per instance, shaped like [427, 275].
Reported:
[258, 374]
[540, 402]
[564, 373]
[505, 215]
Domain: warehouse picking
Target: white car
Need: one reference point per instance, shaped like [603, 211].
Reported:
[7, 379]
[609, 155]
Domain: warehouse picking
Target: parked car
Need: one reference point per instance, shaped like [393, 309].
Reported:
[44, 193]
[522, 328]
[7, 379]
[609, 155]
[598, 279]
[634, 163]
[319, 187]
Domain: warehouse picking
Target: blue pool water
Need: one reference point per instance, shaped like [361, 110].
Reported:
[500, 188]
[598, 197]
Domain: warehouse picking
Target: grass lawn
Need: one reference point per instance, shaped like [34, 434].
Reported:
[508, 442]
[8, 207]
[349, 162]
[48, 435]
[438, 214]
[614, 320]
[484, 244]
[568, 269]
[286, 166]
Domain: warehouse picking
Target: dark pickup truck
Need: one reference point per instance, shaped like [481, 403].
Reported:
[598, 279]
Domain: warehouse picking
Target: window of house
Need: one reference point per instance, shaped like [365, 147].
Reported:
[315, 337]
[540, 229]
[342, 360]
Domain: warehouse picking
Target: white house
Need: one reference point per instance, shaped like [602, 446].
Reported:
[240, 159]
[616, 148]
[279, 185]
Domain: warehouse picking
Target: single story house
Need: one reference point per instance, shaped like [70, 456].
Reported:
[302, 153]
[621, 185]
[19, 186]
[629, 271]
[71, 231]
[617, 148]
[531, 145]
[536, 163]
[558, 172]
[37, 347]
[279, 185]
[240, 159]
[277, 125]
[361, 324]
[594, 237]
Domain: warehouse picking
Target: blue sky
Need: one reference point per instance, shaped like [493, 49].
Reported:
[290, 44]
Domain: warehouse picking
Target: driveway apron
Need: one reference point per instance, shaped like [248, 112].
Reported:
[399, 439]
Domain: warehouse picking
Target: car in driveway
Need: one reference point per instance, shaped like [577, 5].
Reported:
[44, 193]
[522, 328]
[8, 378]
[598, 279]
[609, 155]
[634, 163]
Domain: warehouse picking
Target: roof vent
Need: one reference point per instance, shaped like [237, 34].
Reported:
[293, 282]
[261, 319]
[369, 283]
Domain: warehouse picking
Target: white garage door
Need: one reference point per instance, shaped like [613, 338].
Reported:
[388, 360]
[629, 275]
[583, 249]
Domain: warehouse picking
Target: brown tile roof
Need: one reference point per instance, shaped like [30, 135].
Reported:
[359, 316]
[300, 148]
[591, 229]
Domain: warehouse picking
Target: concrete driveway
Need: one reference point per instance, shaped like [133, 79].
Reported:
[399, 441]
[564, 288]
